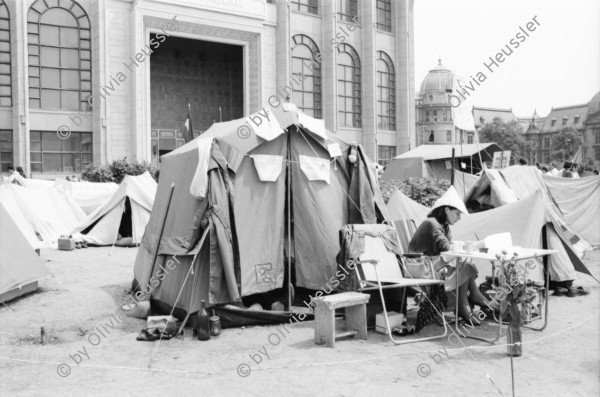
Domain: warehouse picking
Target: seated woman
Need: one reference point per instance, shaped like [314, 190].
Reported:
[433, 236]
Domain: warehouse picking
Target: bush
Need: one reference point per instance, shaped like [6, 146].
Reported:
[422, 190]
[116, 171]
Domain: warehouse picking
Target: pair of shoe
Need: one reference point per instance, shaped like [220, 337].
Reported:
[574, 291]
[571, 292]
[470, 318]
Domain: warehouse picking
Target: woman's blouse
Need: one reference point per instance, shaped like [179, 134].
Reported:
[431, 238]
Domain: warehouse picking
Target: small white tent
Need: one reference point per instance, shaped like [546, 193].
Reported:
[125, 213]
[20, 267]
[41, 208]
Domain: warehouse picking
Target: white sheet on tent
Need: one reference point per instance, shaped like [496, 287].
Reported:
[579, 201]
[267, 166]
[315, 168]
[91, 195]
[200, 181]
[49, 211]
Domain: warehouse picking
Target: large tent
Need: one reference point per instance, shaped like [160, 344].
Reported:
[125, 213]
[20, 267]
[273, 186]
[435, 161]
[579, 202]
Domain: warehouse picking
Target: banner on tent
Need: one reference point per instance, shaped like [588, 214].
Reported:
[501, 159]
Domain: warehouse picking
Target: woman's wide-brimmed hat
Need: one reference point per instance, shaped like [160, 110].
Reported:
[452, 199]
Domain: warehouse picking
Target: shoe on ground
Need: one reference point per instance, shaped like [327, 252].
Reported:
[574, 291]
[560, 291]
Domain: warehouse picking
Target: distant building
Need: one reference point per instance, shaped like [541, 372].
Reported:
[434, 124]
[583, 119]
[116, 76]
[482, 115]
[592, 130]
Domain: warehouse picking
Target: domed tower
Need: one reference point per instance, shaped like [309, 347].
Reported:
[434, 112]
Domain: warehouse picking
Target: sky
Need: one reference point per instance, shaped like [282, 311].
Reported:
[557, 65]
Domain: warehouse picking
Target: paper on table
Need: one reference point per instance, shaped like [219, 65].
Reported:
[498, 242]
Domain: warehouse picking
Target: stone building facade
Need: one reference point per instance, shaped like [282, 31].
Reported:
[90, 81]
[584, 119]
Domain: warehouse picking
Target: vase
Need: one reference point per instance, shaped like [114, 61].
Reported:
[514, 335]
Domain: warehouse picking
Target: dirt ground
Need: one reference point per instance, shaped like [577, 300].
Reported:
[78, 307]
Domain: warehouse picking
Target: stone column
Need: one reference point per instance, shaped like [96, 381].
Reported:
[369, 78]
[283, 55]
[405, 102]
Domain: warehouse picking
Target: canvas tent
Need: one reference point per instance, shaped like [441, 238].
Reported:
[435, 161]
[271, 186]
[20, 267]
[125, 213]
[89, 195]
[43, 208]
[579, 202]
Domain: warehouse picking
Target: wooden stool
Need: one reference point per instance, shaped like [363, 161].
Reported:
[356, 316]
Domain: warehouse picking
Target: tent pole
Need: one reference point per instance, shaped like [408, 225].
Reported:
[162, 228]
[452, 173]
[289, 216]
[193, 295]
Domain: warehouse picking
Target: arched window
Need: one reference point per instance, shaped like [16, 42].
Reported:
[386, 92]
[306, 69]
[348, 69]
[5, 77]
[60, 70]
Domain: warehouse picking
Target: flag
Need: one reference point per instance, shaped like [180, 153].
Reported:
[188, 132]
[577, 157]
[462, 105]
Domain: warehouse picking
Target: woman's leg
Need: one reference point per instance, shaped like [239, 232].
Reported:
[475, 295]
[464, 308]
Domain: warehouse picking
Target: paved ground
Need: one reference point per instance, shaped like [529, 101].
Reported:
[78, 307]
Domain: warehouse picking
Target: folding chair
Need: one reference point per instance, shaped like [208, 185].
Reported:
[378, 268]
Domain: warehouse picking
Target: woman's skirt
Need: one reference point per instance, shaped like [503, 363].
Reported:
[464, 271]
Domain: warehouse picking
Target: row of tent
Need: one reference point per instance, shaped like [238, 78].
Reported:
[35, 213]
[94, 212]
[538, 210]
[233, 206]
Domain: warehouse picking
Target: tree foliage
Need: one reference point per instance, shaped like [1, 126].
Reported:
[565, 144]
[422, 190]
[116, 171]
[509, 136]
